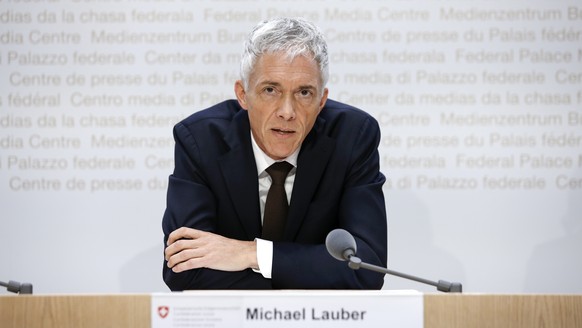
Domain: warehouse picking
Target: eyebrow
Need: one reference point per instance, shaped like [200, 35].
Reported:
[277, 84]
[269, 83]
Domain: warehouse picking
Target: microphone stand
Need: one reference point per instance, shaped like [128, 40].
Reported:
[16, 287]
[444, 286]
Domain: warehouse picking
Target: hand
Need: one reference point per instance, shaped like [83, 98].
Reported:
[189, 248]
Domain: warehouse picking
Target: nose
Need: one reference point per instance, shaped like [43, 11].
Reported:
[286, 110]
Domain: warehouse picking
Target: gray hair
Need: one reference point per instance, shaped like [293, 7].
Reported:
[294, 36]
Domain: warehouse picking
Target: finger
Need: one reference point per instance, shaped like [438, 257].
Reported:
[182, 233]
[176, 235]
[181, 256]
[194, 263]
[187, 260]
[179, 246]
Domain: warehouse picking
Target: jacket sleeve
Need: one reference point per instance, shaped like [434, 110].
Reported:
[191, 203]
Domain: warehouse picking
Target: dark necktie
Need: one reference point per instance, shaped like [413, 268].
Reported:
[276, 206]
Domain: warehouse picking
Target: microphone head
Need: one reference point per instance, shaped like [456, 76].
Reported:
[340, 244]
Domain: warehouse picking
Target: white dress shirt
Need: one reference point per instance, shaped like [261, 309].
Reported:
[265, 247]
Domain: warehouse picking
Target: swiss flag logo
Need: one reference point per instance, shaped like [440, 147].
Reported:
[163, 311]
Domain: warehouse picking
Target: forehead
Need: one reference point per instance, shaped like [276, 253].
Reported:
[282, 68]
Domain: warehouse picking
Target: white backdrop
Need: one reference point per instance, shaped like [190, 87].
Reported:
[480, 104]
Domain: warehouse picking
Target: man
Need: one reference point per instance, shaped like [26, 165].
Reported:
[216, 228]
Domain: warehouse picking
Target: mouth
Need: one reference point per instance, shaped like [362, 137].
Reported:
[282, 131]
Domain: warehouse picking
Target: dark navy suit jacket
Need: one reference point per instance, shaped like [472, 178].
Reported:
[338, 184]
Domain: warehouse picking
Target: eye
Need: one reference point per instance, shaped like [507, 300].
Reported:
[269, 90]
[305, 93]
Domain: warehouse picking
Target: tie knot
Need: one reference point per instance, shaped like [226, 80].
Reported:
[278, 172]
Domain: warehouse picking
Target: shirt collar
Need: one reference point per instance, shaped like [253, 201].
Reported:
[264, 161]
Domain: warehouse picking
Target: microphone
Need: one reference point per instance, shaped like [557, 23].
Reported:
[342, 246]
[16, 287]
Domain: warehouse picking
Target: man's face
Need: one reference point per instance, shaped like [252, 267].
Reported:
[283, 100]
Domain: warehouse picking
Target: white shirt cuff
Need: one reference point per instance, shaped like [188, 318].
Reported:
[264, 257]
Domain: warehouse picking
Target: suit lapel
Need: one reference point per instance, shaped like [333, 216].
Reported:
[313, 158]
[240, 175]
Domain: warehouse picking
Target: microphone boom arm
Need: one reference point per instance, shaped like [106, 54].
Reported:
[355, 263]
[342, 246]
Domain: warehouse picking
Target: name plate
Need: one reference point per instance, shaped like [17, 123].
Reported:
[337, 309]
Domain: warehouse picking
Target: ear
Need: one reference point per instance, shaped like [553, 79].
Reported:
[241, 95]
[323, 98]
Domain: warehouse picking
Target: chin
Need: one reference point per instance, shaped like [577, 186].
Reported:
[281, 154]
